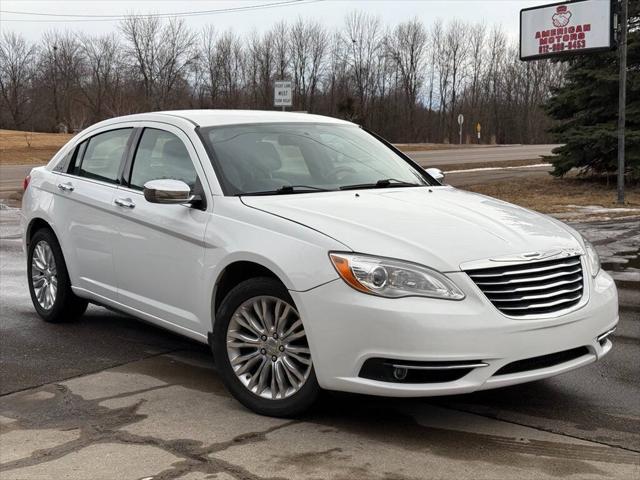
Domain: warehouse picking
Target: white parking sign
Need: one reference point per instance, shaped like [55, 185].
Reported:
[282, 94]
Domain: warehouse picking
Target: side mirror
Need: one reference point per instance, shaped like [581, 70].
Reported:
[436, 173]
[167, 192]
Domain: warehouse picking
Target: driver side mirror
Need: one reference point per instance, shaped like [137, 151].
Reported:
[168, 192]
[436, 173]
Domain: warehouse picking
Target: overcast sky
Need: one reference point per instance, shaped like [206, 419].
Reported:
[329, 12]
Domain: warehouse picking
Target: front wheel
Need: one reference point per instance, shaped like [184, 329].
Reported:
[262, 351]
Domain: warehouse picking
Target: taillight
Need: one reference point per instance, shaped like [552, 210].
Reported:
[25, 182]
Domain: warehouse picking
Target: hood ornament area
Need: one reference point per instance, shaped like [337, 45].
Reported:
[536, 256]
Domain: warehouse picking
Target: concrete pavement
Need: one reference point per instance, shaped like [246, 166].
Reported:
[113, 398]
[168, 417]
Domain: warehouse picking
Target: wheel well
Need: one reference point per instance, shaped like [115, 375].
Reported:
[35, 225]
[235, 273]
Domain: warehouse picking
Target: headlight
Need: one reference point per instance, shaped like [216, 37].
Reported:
[390, 278]
[593, 259]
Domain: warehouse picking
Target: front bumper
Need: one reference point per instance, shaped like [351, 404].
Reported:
[345, 328]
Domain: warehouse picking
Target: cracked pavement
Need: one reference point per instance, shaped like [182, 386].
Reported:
[114, 398]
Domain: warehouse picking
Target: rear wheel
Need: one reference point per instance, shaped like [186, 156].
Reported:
[49, 283]
[261, 349]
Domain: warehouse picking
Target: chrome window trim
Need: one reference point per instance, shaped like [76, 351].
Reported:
[86, 179]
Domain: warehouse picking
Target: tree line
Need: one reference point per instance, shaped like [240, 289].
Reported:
[408, 82]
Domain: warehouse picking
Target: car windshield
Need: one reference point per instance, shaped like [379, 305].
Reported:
[285, 158]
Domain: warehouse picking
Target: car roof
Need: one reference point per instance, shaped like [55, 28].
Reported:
[210, 118]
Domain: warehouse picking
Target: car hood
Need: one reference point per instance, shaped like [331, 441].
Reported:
[441, 227]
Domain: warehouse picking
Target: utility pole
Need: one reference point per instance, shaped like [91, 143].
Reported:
[622, 96]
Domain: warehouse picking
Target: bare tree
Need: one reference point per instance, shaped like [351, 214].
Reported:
[336, 81]
[363, 37]
[101, 82]
[497, 45]
[267, 65]
[442, 66]
[458, 56]
[260, 68]
[161, 55]
[281, 49]
[231, 64]
[61, 65]
[407, 47]
[477, 36]
[210, 79]
[308, 50]
[17, 62]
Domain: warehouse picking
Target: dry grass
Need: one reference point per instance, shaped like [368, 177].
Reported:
[28, 148]
[559, 195]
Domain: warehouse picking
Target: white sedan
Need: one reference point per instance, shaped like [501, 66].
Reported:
[309, 253]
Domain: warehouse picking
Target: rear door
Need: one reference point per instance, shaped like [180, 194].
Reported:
[85, 213]
[160, 248]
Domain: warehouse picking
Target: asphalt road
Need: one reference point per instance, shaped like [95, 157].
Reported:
[482, 154]
[11, 177]
[113, 398]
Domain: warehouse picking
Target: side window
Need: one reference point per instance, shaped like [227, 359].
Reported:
[159, 155]
[102, 156]
[64, 162]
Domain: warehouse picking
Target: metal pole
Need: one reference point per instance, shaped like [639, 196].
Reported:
[622, 98]
[460, 129]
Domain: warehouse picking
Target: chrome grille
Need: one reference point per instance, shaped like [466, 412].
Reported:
[534, 288]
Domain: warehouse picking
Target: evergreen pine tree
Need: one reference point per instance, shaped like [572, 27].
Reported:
[586, 109]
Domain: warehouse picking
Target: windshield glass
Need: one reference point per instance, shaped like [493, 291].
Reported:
[305, 157]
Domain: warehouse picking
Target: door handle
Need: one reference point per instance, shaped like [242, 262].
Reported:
[124, 202]
[65, 187]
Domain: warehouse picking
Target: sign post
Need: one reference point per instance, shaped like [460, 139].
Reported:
[622, 98]
[478, 129]
[460, 122]
[282, 96]
[579, 27]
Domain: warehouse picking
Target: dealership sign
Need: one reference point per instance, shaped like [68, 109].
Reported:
[566, 28]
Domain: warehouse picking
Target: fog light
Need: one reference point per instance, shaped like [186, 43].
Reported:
[399, 373]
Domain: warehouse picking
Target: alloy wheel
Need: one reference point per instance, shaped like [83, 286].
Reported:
[44, 277]
[267, 347]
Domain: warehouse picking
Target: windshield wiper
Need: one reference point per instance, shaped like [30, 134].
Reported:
[286, 189]
[383, 183]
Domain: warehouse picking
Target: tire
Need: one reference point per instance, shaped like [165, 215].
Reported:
[61, 304]
[280, 361]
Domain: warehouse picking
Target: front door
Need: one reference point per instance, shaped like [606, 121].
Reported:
[160, 248]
